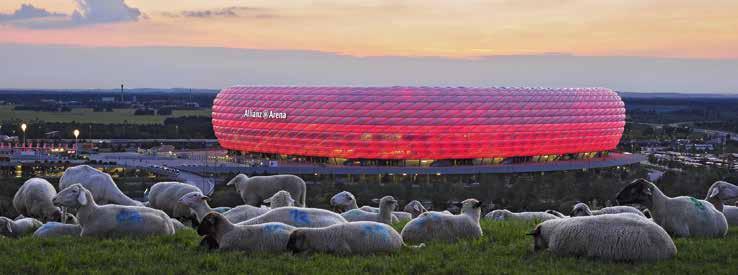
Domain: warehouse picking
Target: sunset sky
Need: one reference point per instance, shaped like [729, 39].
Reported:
[675, 29]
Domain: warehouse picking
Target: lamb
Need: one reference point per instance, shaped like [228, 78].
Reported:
[198, 203]
[615, 237]
[680, 216]
[415, 208]
[55, 229]
[348, 238]
[298, 217]
[582, 209]
[386, 204]
[101, 185]
[33, 199]
[113, 220]
[254, 190]
[280, 199]
[18, 228]
[431, 226]
[506, 215]
[222, 234]
[722, 191]
[165, 196]
[345, 201]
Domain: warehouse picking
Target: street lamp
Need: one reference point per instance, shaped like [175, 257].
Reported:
[76, 146]
[23, 128]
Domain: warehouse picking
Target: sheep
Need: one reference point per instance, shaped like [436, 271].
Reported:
[165, 196]
[719, 192]
[101, 185]
[298, 217]
[70, 219]
[348, 238]
[582, 209]
[615, 237]
[280, 199]
[254, 190]
[679, 216]
[18, 228]
[505, 215]
[113, 220]
[345, 201]
[387, 204]
[33, 199]
[415, 208]
[556, 213]
[55, 229]
[222, 234]
[198, 203]
[431, 226]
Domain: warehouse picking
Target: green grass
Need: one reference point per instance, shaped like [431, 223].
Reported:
[503, 249]
[86, 115]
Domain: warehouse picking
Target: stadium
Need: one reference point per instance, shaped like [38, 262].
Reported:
[423, 126]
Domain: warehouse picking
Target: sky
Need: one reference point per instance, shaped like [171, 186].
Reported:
[629, 45]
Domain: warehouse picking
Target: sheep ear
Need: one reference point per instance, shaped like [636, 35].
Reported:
[416, 207]
[82, 198]
[269, 200]
[478, 204]
[375, 200]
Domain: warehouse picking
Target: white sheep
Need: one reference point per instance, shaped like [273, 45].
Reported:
[556, 213]
[386, 204]
[720, 192]
[55, 229]
[101, 185]
[679, 216]
[616, 237]
[165, 197]
[347, 238]
[198, 203]
[280, 199]
[507, 215]
[254, 190]
[582, 209]
[18, 228]
[345, 201]
[222, 234]
[415, 208]
[113, 220]
[33, 199]
[298, 217]
[431, 226]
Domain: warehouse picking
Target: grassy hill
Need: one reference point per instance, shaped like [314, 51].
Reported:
[86, 115]
[503, 249]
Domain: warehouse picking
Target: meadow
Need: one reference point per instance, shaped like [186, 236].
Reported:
[86, 115]
[503, 250]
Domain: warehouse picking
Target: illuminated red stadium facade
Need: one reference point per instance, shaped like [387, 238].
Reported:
[419, 123]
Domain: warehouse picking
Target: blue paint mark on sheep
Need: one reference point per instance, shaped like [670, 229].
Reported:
[47, 227]
[126, 216]
[299, 217]
[697, 203]
[272, 228]
[370, 230]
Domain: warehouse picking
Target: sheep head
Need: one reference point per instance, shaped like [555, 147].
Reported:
[387, 201]
[297, 242]
[210, 224]
[55, 215]
[237, 181]
[722, 190]
[192, 199]
[580, 209]
[342, 201]
[74, 196]
[415, 208]
[6, 226]
[639, 191]
[500, 214]
[280, 199]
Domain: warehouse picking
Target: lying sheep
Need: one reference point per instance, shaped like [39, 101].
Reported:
[280, 199]
[415, 208]
[254, 190]
[347, 238]
[113, 220]
[298, 217]
[345, 201]
[101, 185]
[507, 215]
[55, 229]
[615, 237]
[680, 216]
[33, 199]
[432, 226]
[18, 228]
[198, 203]
[243, 213]
[222, 234]
[386, 204]
[722, 191]
[165, 196]
[582, 209]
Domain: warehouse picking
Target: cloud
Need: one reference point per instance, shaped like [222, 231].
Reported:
[90, 12]
[234, 12]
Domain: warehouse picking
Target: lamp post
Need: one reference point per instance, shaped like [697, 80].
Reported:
[23, 128]
[76, 145]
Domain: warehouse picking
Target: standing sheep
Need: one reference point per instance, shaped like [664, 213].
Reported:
[280, 199]
[254, 190]
[680, 216]
[55, 229]
[722, 191]
[432, 226]
[415, 208]
[113, 220]
[582, 209]
[18, 228]
[298, 217]
[199, 205]
[505, 215]
[347, 238]
[345, 201]
[386, 205]
[165, 197]
[616, 237]
[33, 199]
[101, 185]
[221, 234]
